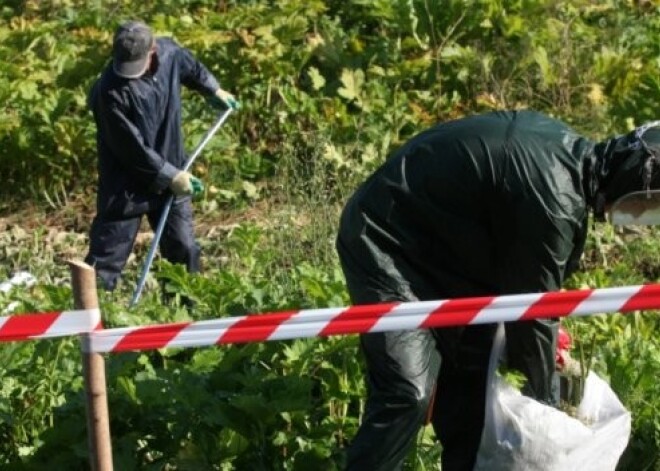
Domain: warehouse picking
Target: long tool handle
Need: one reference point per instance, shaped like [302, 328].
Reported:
[168, 205]
[207, 137]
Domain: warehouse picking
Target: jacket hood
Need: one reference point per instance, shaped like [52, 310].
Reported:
[623, 164]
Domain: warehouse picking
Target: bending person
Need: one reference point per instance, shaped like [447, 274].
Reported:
[492, 204]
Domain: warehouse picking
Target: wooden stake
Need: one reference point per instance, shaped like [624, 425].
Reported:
[83, 279]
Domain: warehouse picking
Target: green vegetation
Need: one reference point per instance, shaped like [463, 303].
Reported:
[328, 89]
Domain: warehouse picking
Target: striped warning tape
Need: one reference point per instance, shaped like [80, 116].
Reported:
[48, 324]
[377, 318]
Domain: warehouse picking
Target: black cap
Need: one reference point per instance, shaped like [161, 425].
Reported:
[130, 49]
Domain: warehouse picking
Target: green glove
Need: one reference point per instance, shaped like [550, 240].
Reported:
[184, 183]
[224, 99]
[233, 103]
[197, 185]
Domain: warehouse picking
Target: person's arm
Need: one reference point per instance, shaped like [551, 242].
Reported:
[196, 76]
[533, 251]
[536, 253]
[143, 163]
[579, 242]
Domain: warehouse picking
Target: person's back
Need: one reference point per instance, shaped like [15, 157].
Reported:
[462, 201]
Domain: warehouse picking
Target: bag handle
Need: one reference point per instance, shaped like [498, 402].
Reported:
[492, 412]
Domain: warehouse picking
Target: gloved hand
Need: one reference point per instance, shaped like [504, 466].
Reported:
[224, 99]
[197, 185]
[184, 183]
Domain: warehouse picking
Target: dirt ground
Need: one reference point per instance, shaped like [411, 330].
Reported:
[58, 223]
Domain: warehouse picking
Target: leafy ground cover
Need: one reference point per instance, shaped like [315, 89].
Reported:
[328, 89]
[294, 403]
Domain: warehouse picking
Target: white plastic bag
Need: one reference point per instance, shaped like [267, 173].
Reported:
[522, 434]
[19, 279]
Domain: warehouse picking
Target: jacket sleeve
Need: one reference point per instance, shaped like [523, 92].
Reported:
[194, 74]
[125, 141]
[535, 251]
[536, 257]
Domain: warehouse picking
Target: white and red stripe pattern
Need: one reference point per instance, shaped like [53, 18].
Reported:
[48, 324]
[378, 318]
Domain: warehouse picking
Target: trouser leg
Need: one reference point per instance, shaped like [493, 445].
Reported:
[459, 409]
[111, 242]
[177, 243]
[401, 371]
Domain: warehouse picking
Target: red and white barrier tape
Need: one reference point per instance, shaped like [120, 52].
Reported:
[48, 324]
[377, 318]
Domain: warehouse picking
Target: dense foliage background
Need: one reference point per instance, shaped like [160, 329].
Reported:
[328, 89]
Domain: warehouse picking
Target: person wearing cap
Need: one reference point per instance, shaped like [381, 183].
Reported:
[136, 104]
[491, 204]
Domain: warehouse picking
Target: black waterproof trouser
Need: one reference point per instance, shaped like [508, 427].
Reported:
[112, 239]
[402, 368]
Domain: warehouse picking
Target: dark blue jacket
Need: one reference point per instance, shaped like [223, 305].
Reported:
[139, 137]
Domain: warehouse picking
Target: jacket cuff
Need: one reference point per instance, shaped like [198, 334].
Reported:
[164, 177]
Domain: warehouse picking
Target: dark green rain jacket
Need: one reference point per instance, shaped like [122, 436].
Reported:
[489, 204]
[485, 205]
